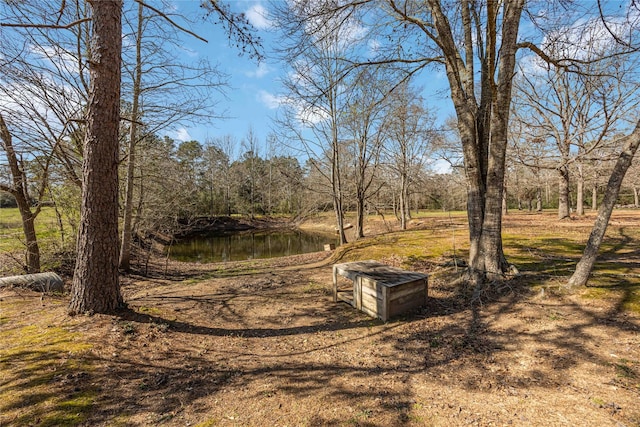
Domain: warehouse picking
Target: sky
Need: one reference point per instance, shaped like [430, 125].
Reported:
[253, 97]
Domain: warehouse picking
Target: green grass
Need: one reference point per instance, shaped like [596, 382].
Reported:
[12, 236]
[35, 361]
[48, 233]
[548, 254]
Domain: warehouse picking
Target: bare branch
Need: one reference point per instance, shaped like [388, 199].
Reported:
[611, 33]
[239, 28]
[54, 27]
[172, 22]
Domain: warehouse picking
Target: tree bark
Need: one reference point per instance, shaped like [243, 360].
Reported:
[538, 199]
[482, 125]
[585, 265]
[404, 202]
[580, 192]
[96, 287]
[563, 193]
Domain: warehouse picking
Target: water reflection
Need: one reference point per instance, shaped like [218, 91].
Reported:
[248, 245]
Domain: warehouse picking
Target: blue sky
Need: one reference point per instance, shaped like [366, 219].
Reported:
[253, 86]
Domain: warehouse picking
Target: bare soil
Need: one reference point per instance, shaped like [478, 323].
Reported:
[262, 343]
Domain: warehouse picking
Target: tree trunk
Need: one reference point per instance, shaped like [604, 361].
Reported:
[563, 193]
[19, 190]
[404, 202]
[337, 207]
[125, 248]
[31, 238]
[539, 199]
[585, 265]
[636, 201]
[359, 232]
[96, 287]
[594, 197]
[505, 206]
[494, 263]
[580, 192]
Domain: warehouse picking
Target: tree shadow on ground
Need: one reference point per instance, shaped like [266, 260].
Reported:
[248, 350]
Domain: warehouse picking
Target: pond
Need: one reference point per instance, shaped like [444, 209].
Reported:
[246, 245]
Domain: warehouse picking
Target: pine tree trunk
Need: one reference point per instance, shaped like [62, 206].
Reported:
[585, 265]
[96, 287]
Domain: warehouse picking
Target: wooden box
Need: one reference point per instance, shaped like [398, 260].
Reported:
[380, 290]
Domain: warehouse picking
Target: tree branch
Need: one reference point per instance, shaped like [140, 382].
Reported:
[171, 21]
[51, 26]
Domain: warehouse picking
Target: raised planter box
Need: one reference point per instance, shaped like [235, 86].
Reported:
[380, 290]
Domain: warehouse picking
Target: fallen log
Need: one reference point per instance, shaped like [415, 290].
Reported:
[42, 282]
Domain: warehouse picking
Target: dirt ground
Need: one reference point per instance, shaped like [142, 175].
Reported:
[262, 343]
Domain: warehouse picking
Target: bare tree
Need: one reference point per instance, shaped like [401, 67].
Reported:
[227, 146]
[624, 37]
[164, 91]
[584, 267]
[365, 133]
[575, 113]
[312, 116]
[463, 36]
[410, 129]
[19, 189]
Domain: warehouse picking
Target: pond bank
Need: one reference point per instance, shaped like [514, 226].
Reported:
[203, 225]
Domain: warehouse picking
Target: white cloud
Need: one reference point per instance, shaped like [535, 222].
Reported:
[259, 17]
[374, 46]
[306, 115]
[311, 115]
[182, 134]
[262, 70]
[440, 166]
[57, 56]
[270, 100]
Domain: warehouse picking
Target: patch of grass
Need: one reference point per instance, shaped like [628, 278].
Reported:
[613, 287]
[40, 366]
[149, 310]
[69, 412]
[313, 287]
[623, 370]
[11, 234]
[412, 245]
